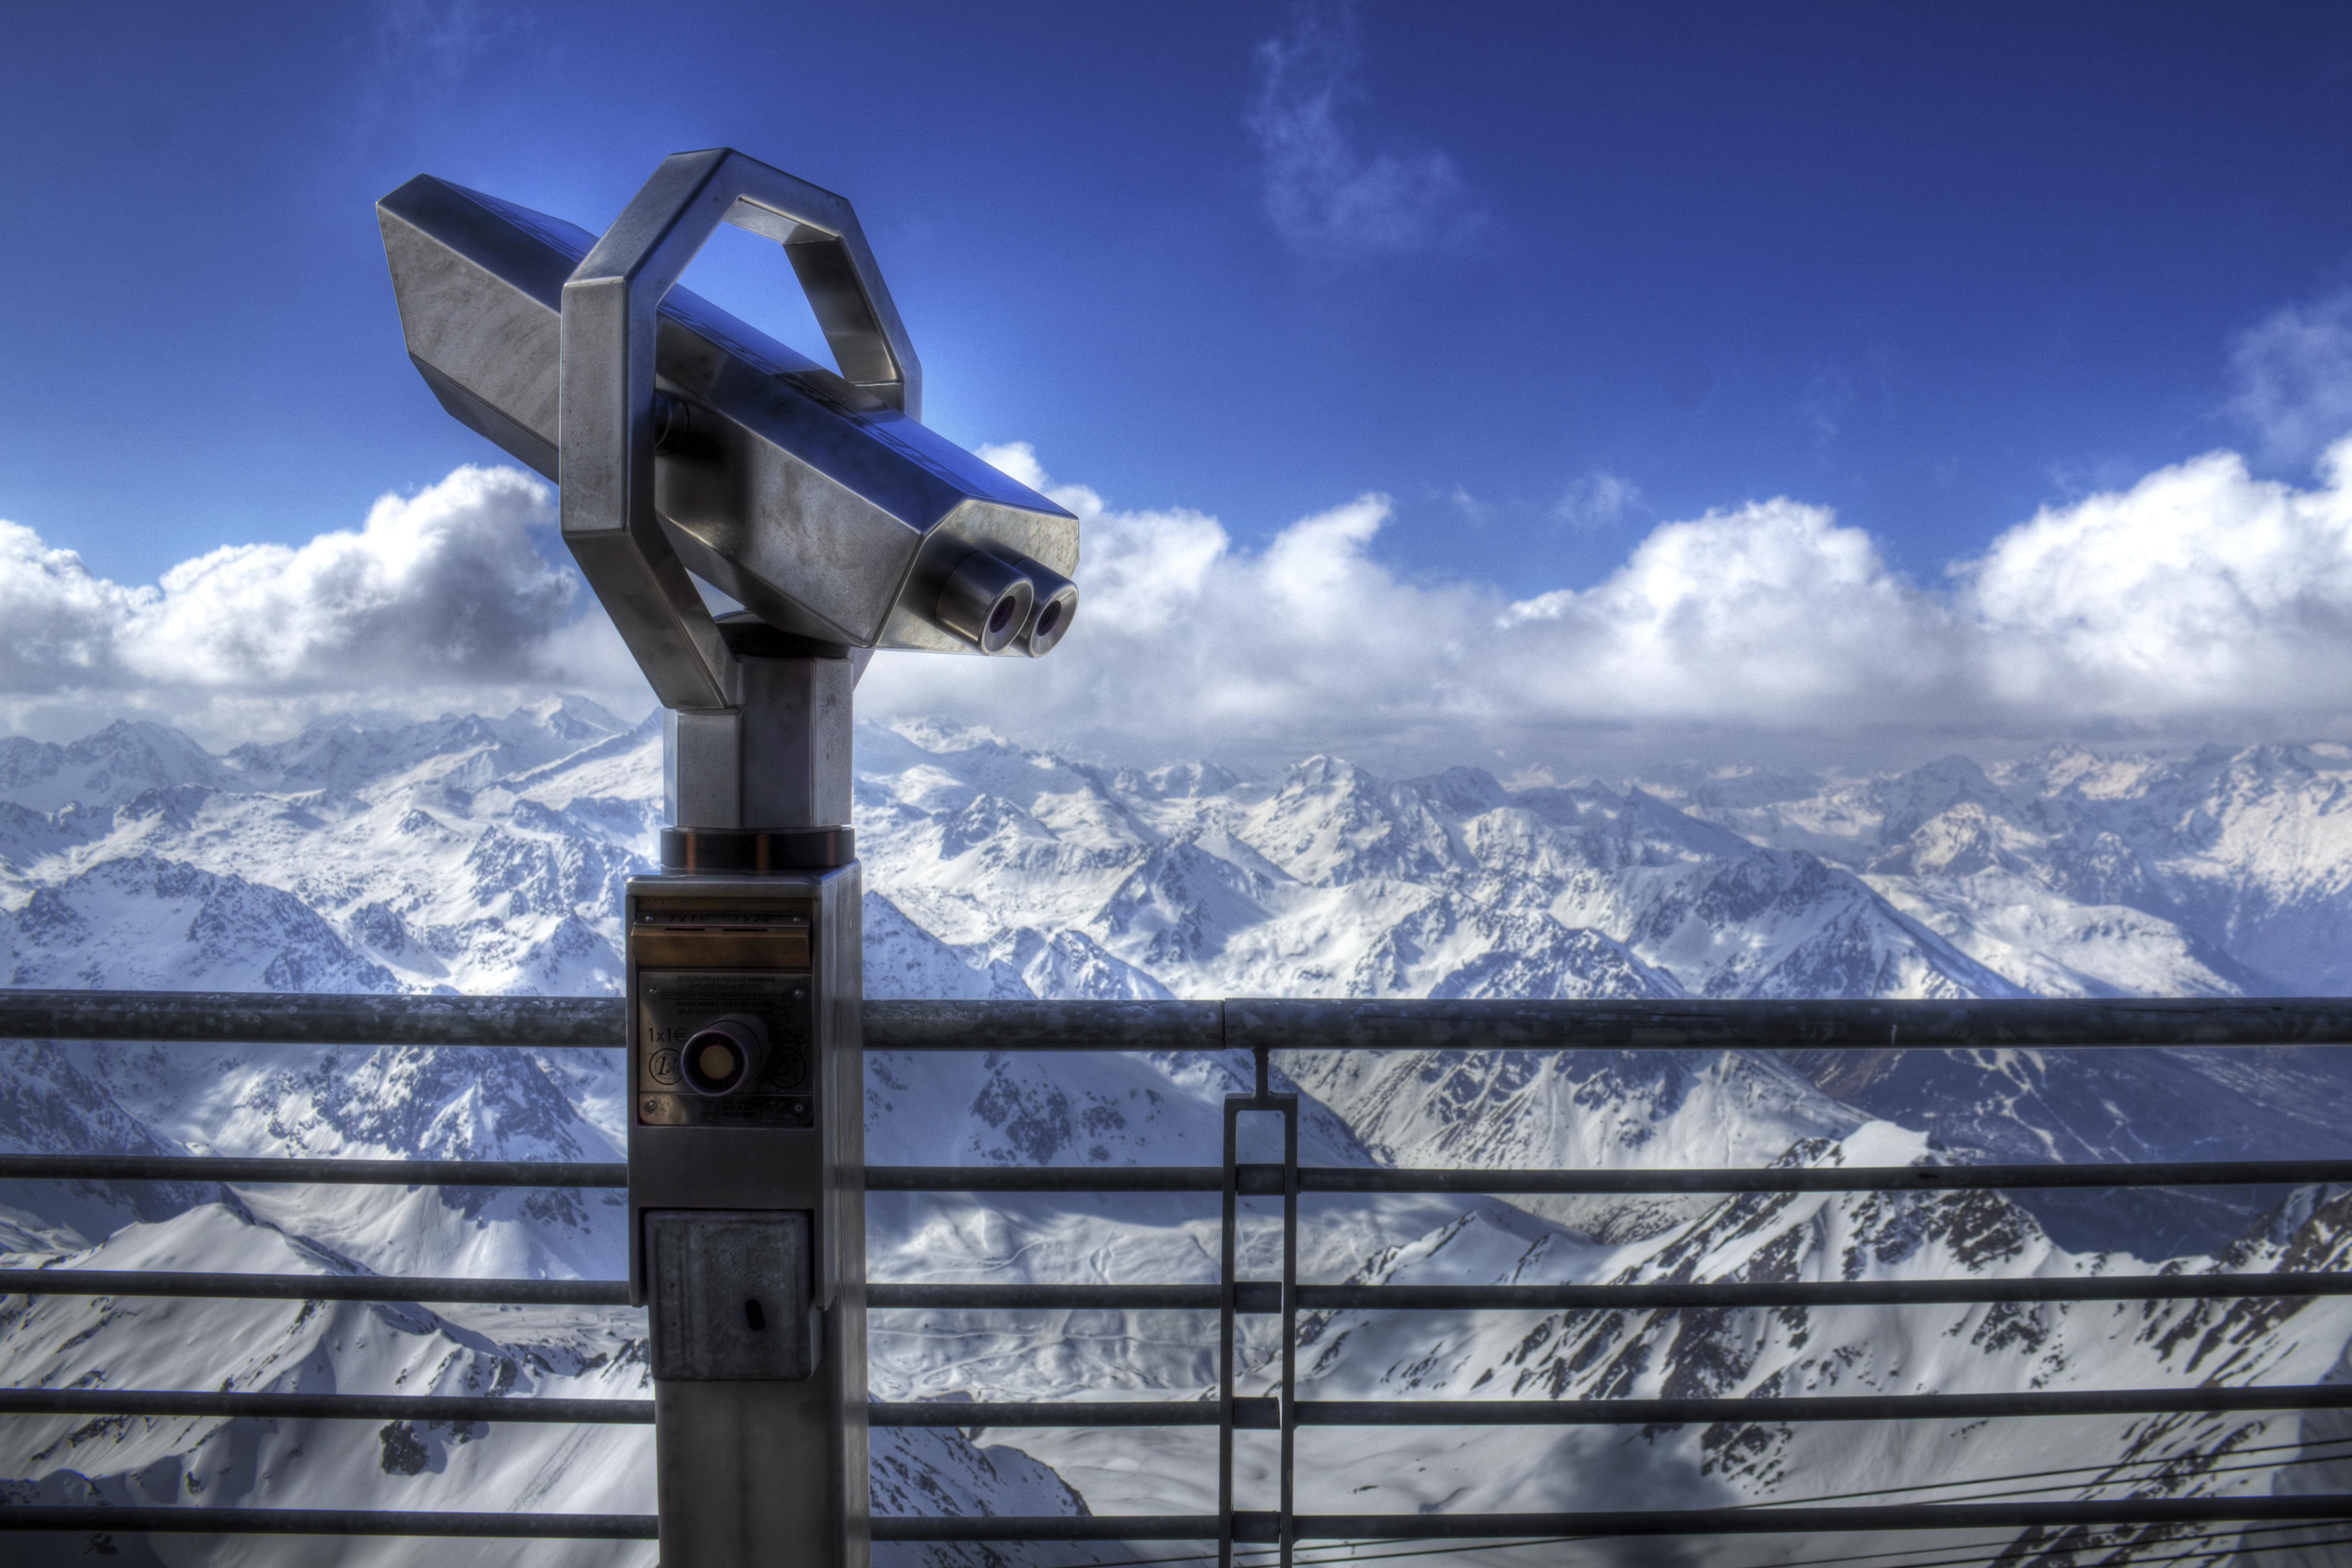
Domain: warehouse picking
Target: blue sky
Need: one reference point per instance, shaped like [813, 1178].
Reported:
[1547, 277]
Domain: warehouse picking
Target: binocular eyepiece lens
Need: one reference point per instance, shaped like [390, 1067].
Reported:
[984, 601]
[997, 597]
[1058, 607]
[718, 1057]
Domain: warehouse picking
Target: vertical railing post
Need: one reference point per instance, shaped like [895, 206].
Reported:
[1289, 1106]
[1226, 1303]
[1262, 1098]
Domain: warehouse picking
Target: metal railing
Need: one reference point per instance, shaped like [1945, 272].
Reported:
[1259, 1028]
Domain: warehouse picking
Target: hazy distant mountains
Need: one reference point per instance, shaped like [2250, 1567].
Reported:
[479, 852]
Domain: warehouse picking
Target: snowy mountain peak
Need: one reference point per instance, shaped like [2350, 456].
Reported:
[1184, 780]
[1912, 798]
[1463, 792]
[104, 768]
[569, 718]
[343, 754]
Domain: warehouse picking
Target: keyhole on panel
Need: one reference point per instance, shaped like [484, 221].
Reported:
[756, 1319]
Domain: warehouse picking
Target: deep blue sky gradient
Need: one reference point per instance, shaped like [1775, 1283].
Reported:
[1933, 267]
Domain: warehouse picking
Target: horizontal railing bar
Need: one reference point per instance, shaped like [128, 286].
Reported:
[1248, 1413]
[317, 1172]
[1068, 1412]
[1801, 1520]
[1265, 1411]
[1808, 1293]
[269, 1018]
[1254, 1178]
[1831, 1179]
[1839, 1408]
[266, 1018]
[1040, 1527]
[314, 1287]
[326, 1522]
[1266, 1179]
[937, 1026]
[1424, 1026]
[1253, 1525]
[1255, 1297]
[1048, 1179]
[205, 1404]
[1249, 1526]
[263, 1019]
[1049, 1297]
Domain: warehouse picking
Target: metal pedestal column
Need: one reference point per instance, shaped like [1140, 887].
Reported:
[689, 446]
[746, 1137]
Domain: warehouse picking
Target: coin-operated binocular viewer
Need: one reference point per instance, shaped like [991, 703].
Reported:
[688, 445]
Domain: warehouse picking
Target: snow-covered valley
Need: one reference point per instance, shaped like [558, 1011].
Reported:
[477, 855]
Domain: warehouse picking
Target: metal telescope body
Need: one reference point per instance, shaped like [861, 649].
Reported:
[688, 445]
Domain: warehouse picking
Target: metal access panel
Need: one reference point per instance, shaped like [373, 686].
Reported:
[746, 1210]
[730, 1296]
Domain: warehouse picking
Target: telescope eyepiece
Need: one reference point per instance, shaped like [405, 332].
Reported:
[985, 602]
[721, 1057]
[1052, 603]
[1049, 622]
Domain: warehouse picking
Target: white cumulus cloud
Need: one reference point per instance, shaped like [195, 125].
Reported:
[2200, 591]
[2291, 379]
[57, 619]
[441, 595]
[446, 584]
[2200, 602]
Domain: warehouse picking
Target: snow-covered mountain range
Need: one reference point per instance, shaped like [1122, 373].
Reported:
[479, 853]
[476, 854]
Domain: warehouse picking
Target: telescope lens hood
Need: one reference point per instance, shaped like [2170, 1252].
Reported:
[984, 602]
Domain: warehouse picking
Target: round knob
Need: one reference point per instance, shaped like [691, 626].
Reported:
[718, 1057]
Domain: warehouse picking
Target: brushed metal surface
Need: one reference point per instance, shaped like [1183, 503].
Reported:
[759, 1458]
[816, 497]
[728, 1295]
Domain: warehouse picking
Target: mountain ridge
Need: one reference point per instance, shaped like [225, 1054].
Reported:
[486, 853]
